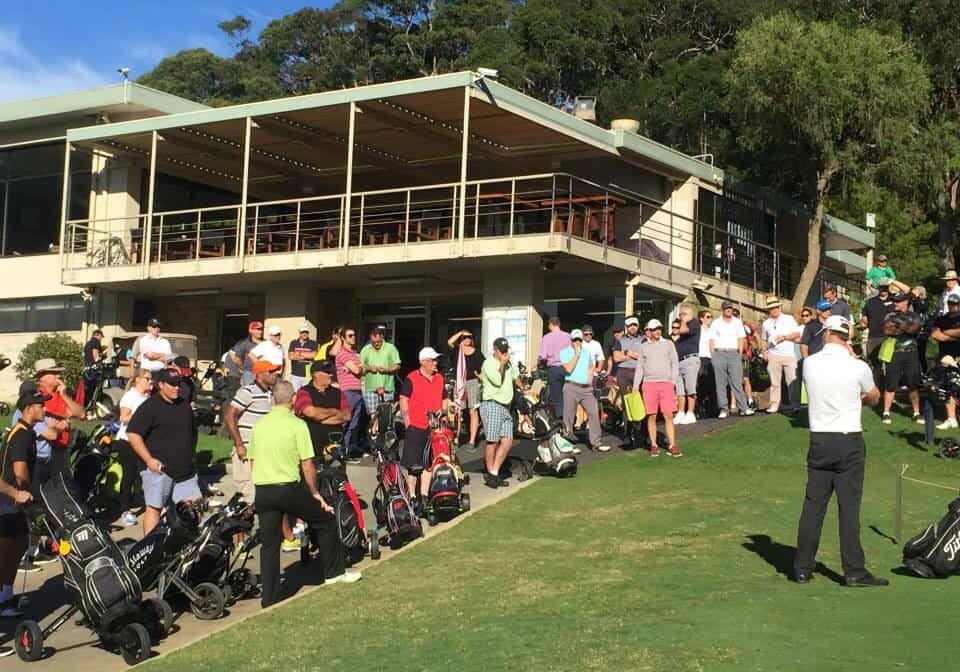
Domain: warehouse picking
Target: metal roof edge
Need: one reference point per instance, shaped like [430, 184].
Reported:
[848, 258]
[161, 101]
[275, 106]
[668, 156]
[848, 230]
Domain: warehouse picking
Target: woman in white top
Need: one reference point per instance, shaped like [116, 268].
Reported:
[138, 393]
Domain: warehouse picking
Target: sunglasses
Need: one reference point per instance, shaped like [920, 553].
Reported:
[805, 315]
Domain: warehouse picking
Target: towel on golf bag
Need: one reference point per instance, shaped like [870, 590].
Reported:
[94, 568]
[935, 552]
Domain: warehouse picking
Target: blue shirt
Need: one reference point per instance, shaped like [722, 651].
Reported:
[43, 446]
[581, 372]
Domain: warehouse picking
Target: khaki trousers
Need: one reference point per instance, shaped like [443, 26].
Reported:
[777, 367]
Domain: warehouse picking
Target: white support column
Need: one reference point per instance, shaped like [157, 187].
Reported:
[345, 220]
[151, 190]
[64, 206]
[242, 219]
[464, 149]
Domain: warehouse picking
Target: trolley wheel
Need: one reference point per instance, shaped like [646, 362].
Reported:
[464, 501]
[210, 603]
[28, 641]
[432, 517]
[466, 479]
[134, 644]
[158, 617]
[374, 541]
[242, 582]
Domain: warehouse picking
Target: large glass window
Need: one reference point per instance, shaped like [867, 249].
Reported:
[31, 186]
[49, 313]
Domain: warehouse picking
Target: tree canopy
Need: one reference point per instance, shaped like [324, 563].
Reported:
[684, 68]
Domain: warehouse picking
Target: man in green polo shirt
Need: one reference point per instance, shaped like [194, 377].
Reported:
[280, 451]
[381, 361]
[498, 377]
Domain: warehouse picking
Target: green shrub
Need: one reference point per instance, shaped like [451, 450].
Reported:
[67, 352]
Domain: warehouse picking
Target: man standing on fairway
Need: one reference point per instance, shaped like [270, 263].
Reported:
[837, 384]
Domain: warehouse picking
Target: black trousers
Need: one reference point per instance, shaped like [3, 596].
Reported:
[555, 378]
[835, 463]
[132, 466]
[272, 502]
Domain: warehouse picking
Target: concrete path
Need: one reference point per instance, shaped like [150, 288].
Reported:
[76, 648]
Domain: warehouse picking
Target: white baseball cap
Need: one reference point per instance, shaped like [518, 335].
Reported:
[304, 327]
[275, 330]
[575, 334]
[428, 353]
[837, 323]
[632, 320]
[654, 324]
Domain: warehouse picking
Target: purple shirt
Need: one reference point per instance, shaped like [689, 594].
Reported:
[552, 344]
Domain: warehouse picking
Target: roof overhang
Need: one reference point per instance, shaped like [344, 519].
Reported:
[841, 235]
[848, 262]
[667, 157]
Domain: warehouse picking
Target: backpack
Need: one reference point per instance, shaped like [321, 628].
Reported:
[935, 552]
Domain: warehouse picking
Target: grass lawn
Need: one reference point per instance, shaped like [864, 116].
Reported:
[635, 564]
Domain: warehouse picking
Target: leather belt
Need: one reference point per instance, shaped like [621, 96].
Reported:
[570, 382]
[696, 354]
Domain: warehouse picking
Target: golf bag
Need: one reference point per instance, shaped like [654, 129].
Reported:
[391, 505]
[553, 451]
[935, 552]
[95, 570]
[151, 556]
[339, 493]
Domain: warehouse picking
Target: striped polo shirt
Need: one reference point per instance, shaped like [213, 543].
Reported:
[253, 402]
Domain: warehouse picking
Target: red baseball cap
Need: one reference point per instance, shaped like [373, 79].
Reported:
[256, 324]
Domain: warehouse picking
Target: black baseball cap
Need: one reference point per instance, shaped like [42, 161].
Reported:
[31, 398]
[27, 387]
[153, 322]
[323, 366]
[168, 376]
[587, 329]
[501, 344]
[902, 296]
[727, 303]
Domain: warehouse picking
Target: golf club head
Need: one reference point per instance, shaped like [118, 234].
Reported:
[23, 603]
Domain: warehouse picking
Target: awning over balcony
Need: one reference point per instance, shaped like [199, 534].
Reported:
[841, 235]
[846, 262]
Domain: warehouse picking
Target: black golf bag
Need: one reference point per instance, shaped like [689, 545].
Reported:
[151, 556]
[95, 570]
[935, 552]
[339, 493]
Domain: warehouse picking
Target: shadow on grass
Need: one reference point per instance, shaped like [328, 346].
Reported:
[915, 440]
[780, 557]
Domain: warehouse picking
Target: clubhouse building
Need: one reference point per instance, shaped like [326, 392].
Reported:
[428, 205]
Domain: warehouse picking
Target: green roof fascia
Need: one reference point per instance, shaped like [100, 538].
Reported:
[867, 239]
[667, 156]
[95, 98]
[271, 107]
[848, 258]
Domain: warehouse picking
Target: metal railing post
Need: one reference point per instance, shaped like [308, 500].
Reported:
[406, 221]
[345, 218]
[553, 201]
[196, 250]
[244, 192]
[160, 241]
[513, 203]
[64, 206]
[296, 235]
[570, 206]
[151, 192]
[256, 229]
[363, 202]
[476, 214]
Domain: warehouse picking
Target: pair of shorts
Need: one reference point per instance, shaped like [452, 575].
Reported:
[242, 471]
[372, 400]
[473, 393]
[497, 421]
[13, 525]
[414, 445]
[689, 372]
[904, 369]
[159, 489]
[659, 397]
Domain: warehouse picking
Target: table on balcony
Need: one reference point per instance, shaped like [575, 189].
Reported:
[597, 208]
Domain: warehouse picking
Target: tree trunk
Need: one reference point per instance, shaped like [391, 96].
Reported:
[947, 227]
[814, 243]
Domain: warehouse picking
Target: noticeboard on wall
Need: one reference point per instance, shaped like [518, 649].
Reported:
[510, 323]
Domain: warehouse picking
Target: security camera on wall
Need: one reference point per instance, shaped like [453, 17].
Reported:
[488, 72]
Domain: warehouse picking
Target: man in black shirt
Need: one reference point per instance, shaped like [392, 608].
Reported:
[92, 353]
[688, 352]
[318, 403]
[163, 435]
[946, 331]
[903, 325]
[18, 457]
[875, 309]
[301, 352]
[811, 340]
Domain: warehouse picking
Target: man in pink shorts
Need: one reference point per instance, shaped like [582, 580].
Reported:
[656, 375]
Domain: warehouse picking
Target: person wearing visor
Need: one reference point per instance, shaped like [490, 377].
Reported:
[657, 370]
[837, 386]
[498, 377]
[163, 435]
[579, 370]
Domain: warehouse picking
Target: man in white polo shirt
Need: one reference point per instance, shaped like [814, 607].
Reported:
[728, 339]
[779, 335]
[837, 384]
[153, 350]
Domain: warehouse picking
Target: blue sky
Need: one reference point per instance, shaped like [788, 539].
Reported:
[55, 46]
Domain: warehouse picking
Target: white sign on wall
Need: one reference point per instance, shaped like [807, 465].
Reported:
[510, 323]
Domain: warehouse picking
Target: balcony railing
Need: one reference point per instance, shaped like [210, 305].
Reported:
[555, 203]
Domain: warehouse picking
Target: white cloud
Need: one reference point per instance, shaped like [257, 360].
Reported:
[24, 75]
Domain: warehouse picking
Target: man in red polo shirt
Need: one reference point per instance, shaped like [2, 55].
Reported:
[60, 406]
[421, 393]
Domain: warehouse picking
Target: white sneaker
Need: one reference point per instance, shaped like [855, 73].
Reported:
[749, 411]
[949, 423]
[129, 518]
[691, 418]
[723, 415]
[346, 577]
[773, 409]
[681, 419]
